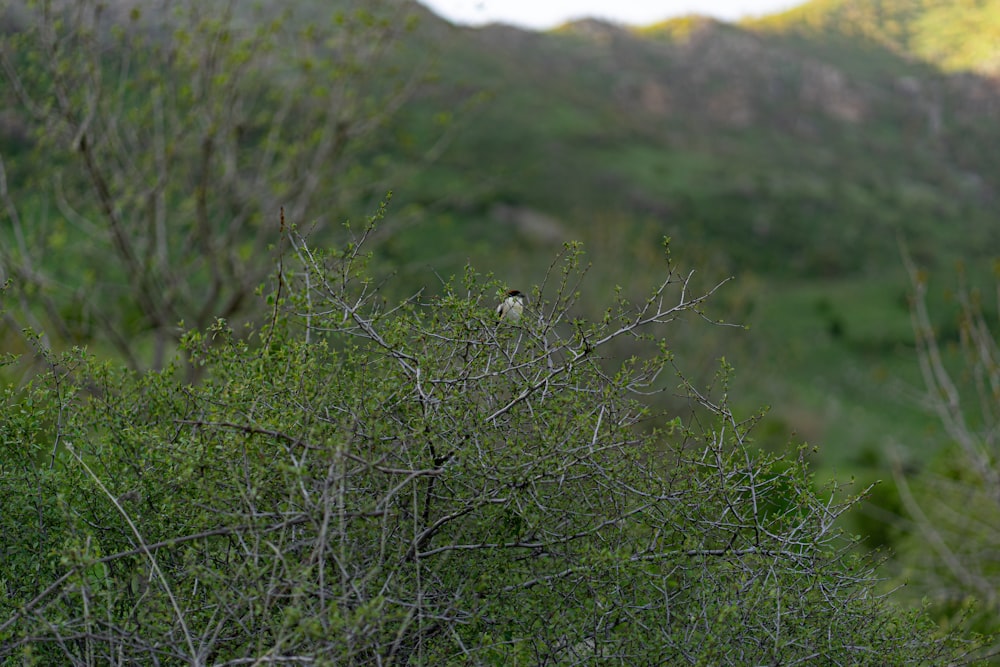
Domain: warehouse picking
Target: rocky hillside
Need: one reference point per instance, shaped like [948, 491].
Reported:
[786, 143]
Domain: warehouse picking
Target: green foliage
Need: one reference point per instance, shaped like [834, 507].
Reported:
[203, 121]
[169, 138]
[360, 482]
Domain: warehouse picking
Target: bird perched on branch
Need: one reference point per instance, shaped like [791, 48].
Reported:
[511, 307]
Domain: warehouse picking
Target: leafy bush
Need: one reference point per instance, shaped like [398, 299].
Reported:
[360, 483]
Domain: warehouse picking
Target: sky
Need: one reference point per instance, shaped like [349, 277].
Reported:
[544, 14]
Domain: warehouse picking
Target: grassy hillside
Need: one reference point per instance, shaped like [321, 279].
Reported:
[789, 164]
[953, 35]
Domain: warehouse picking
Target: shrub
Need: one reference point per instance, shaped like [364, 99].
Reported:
[365, 483]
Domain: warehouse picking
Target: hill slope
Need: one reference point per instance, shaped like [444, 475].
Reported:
[952, 35]
[773, 151]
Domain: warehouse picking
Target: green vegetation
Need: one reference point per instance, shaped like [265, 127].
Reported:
[153, 165]
[166, 142]
[953, 35]
[362, 483]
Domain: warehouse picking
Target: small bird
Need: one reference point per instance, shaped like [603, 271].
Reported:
[511, 307]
